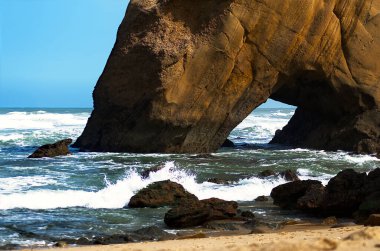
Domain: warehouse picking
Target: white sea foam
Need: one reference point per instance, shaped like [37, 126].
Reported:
[14, 184]
[118, 194]
[25, 128]
[258, 128]
[40, 120]
[11, 137]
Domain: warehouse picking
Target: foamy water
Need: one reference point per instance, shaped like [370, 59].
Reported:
[85, 193]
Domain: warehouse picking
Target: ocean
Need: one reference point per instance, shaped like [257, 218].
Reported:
[84, 194]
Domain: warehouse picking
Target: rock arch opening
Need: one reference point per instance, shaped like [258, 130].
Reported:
[260, 126]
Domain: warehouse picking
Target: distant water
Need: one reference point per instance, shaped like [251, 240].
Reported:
[84, 194]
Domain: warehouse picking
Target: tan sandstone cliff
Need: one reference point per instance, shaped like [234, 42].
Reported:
[184, 73]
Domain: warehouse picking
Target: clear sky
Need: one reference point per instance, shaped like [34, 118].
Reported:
[53, 51]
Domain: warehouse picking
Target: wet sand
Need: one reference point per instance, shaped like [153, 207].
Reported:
[292, 238]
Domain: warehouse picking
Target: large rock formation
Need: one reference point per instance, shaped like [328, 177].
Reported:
[184, 73]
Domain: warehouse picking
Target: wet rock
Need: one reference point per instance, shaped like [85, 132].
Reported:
[190, 214]
[287, 195]
[247, 214]
[225, 225]
[218, 181]
[262, 198]
[221, 209]
[332, 220]
[159, 194]
[196, 213]
[10, 247]
[228, 143]
[344, 193]
[313, 198]
[52, 150]
[193, 236]
[266, 173]
[112, 239]
[153, 233]
[145, 174]
[373, 220]
[61, 244]
[370, 205]
[289, 175]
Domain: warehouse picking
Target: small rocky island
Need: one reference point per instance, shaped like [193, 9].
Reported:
[180, 80]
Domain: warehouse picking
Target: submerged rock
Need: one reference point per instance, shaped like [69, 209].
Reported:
[52, 150]
[262, 198]
[228, 143]
[161, 193]
[289, 175]
[196, 213]
[218, 181]
[267, 173]
[145, 174]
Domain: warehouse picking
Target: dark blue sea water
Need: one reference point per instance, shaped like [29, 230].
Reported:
[84, 194]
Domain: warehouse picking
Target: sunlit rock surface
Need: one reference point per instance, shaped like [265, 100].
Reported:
[184, 73]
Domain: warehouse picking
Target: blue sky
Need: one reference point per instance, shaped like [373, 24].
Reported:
[53, 51]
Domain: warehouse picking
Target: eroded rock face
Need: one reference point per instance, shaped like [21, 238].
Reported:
[184, 73]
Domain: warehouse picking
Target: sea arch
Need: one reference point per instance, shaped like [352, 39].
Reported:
[184, 73]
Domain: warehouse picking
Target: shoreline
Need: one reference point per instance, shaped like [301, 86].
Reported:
[292, 238]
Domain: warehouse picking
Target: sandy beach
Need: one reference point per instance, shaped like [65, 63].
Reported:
[345, 238]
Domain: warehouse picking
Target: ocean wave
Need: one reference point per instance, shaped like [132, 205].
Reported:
[258, 128]
[118, 194]
[15, 184]
[39, 127]
[40, 120]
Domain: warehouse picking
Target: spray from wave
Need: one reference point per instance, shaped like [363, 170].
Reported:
[117, 195]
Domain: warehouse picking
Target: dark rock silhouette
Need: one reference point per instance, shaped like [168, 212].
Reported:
[349, 193]
[180, 80]
[52, 150]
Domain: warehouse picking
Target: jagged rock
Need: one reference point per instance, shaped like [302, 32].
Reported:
[52, 150]
[313, 198]
[287, 195]
[161, 193]
[332, 220]
[196, 213]
[349, 193]
[145, 174]
[289, 175]
[247, 214]
[180, 80]
[344, 193]
[370, 205]
[61, 244]
[267, 173]
[193, 236]
[153, 233]
[228, 143]
[262, 198]
[218, 181]
[373, 220]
